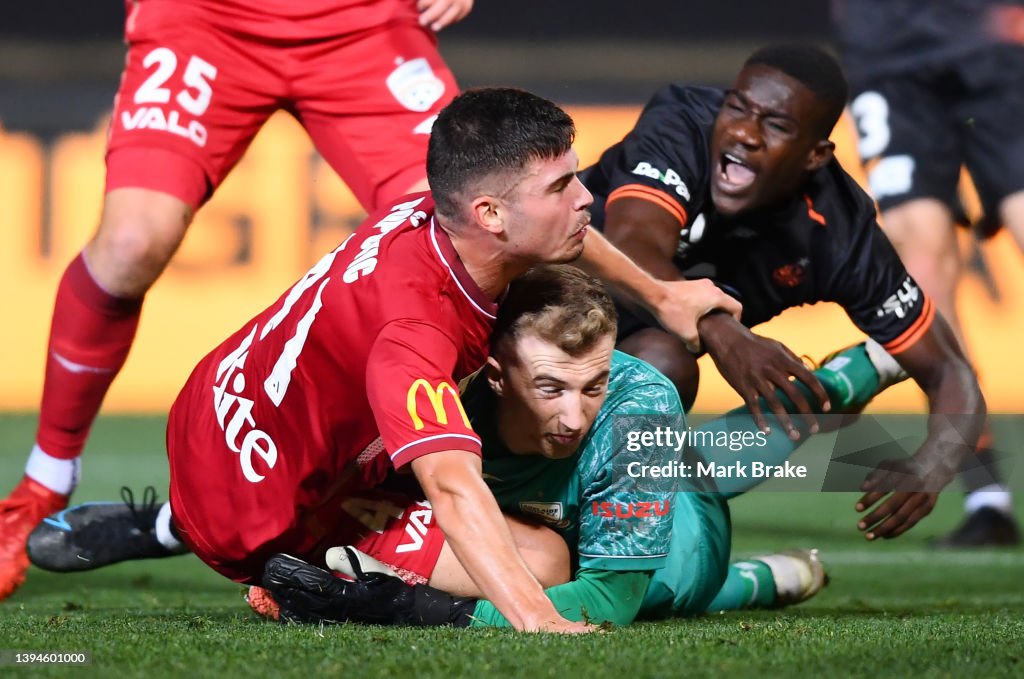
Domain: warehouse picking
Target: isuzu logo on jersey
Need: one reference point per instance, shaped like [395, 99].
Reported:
[669, 177]
[640, 510]
[435, 396]
[415, 86]
[901, 301]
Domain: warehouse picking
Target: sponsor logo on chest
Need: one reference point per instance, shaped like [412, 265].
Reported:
[619, 510]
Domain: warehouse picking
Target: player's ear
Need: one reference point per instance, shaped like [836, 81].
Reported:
[494, 375]
[488, 212]
[820, 155]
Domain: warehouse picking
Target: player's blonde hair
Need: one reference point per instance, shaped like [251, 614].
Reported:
[559, 304]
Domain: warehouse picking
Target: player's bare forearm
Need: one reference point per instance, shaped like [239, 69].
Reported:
[646, 233]
[955, 402]
[905, 491]
[473, 525]
[613, 266]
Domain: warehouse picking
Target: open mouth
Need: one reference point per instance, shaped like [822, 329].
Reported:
[735, 174]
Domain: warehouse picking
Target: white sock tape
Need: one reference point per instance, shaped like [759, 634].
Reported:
[163, 530]
[59, 475]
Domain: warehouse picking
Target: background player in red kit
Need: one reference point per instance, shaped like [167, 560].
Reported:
[201, 77]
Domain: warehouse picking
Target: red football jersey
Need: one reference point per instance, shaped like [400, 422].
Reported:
[363, 355]
[301, 19]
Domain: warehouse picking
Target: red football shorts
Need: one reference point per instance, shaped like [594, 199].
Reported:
[194, 93]
[395, 529]
[410, 542]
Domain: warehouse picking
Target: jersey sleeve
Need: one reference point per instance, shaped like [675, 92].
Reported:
[593, 595]
[876, 291]
[626, 524]
[660, 159]
[413, 393]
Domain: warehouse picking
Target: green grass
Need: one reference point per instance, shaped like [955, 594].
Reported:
[895, 609]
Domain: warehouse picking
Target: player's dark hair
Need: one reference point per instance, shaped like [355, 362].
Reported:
[815, 69]
[487, 130]
[558, 303]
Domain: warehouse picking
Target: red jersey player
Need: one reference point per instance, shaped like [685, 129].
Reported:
[274, 441]
[282, 430]
[354, 370]
[201, 77]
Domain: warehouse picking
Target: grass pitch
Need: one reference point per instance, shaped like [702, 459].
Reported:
[893, 609]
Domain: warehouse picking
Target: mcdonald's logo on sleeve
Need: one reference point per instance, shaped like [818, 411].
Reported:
[438, 403]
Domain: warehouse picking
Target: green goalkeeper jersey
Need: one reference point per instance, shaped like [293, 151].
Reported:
[609, 523]
[592, 502]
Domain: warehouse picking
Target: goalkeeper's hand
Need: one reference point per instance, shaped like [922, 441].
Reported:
[375, 595]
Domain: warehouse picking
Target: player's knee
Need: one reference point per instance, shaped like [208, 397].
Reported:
[137, 237]
[670, 357]
[545, 552]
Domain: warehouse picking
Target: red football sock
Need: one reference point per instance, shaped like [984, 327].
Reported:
[90, 336]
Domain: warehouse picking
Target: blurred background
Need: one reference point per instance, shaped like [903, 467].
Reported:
[282, 206]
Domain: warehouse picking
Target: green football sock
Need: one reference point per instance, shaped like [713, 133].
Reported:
[749, 584]
[849, 378]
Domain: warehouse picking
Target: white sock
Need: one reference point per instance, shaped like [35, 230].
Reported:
[59, 475]
[994, 495]
[164, 535]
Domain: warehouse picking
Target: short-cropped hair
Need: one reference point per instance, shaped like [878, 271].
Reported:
[488, 130]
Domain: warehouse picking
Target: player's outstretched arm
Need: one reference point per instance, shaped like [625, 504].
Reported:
[678, 304]
[902, 492]
[473, 525]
